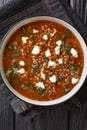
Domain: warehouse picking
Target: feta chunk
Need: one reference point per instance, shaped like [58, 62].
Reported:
[60, 61]
[45, 37]
[24, 39]
[47, 53]
[74, 53]
[52, 79]
[52, 34]
[21, 71]
[43, 76]
[57, 50]
[35, 31]
[22, 50]
[40, 85]
[36, 50]
[51, 63]
[59, 42]
[22, 63]
[74, 80]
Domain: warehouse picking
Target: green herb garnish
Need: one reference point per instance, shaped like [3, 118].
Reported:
[15, 71]
[66, 90]
[45, 58]
[8, 72]
[38, 90]
[35, 67]
[12, 47]
[24, 87]
[66, 48]
[66, 35]
[31, 87]
[30, 34]
[63, 46]
[24, 30]
[42, 92]
[15, 65]
[32, 38]
[60, 79]
[74, 67]
[16, 54]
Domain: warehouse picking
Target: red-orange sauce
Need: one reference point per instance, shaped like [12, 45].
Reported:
[57, 70]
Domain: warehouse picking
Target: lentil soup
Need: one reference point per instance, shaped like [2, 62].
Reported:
[43, 60]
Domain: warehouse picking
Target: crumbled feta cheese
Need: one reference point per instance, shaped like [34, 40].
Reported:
[35, 31]
[74, 53]
[57, 50]
[40, 85]
[36, 50]
[22, 63]
[47, 53]
[59, 42]
[22, 50]
[21, 71]
[51, 63]
[60, 61]
[45, 37]
[53, 79]
[74, 80]
[52, 34]
[54, 30]
[24, 39]
[43, 76]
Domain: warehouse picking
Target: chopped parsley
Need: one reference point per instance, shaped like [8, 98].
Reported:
[66, 35]
[60, 78]
[12, 47]
[8, 72]
[31, 87]
[16, 54]
[24, 87]
[24, 30]
[15, 65]
[35, 67]
[66, 90]
[66, 48]
[74, 67]
[42, 92]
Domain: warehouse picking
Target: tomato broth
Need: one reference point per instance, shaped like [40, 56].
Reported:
[43, 60]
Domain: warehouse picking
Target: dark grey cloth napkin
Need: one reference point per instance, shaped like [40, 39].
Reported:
[18, 10]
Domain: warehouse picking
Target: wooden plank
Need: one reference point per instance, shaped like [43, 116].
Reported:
[54, 119]
[58, 118]
[73, 121]
[23, 124]
[6, 113]
[40, 122]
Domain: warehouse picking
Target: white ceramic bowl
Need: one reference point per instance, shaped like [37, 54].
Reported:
[83, 76]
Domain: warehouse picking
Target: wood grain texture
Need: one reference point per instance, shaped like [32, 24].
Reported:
[6, 113]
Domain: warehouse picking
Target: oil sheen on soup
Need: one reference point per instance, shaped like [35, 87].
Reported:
[43, 60]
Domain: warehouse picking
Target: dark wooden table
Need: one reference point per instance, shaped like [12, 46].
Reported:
[57, 119]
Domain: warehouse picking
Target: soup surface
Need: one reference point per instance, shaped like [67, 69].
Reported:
[43, 60]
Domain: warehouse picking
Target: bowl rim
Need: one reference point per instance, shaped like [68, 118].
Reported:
[84, 72]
